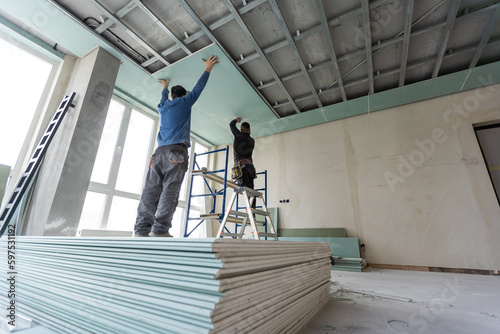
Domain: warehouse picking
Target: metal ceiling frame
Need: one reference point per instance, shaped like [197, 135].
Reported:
[377, 48]
[291, 42]
[330, 47]
[450, 22]
[207, 31]
[365, 13]
[163, 27]
[370, 48]
[220, 22]
[262, 55]
[119, 14]
[303, 34]
[406, 41]
[486, 36]
[116, 20]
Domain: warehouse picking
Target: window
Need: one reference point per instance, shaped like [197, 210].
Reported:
[24, 77]
[122, 161]
[489, 141]
[121, 164]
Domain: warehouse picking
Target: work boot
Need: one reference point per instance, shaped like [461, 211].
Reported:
[152, 234]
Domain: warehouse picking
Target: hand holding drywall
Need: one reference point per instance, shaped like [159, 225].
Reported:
[210, 63]
[164, 83]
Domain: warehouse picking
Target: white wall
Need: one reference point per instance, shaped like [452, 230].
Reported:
[351, 173]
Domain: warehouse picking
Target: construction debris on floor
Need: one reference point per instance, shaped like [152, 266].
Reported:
[168, 285]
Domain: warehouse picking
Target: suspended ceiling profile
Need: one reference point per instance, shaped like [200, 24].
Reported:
[294, 63]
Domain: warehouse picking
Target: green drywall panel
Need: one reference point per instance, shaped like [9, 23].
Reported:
[227, 95]
[20, 37]
[304, 119]
[448, 84]
[335, 111]
[419, 91]
[343, 247]
[356, 107]
[483, 76]
[312, 232]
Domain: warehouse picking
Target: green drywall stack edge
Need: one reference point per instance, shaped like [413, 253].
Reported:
[167, 285]
[312, 232]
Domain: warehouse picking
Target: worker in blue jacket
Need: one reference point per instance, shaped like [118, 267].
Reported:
[170, 161]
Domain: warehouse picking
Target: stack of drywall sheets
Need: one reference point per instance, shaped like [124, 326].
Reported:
[348, 263]
[166, 285]
[345, 250]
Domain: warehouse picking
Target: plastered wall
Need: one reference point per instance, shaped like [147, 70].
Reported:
[410, 182]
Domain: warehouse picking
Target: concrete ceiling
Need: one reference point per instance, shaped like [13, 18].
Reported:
[285, 64]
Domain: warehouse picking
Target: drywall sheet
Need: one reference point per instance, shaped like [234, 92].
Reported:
[343, 247]
[167, 285]
[312, 232]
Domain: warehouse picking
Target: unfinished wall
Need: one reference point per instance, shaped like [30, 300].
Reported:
[410, 181]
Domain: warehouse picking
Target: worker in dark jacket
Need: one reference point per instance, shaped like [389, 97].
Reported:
[243, 148]
[159, 198]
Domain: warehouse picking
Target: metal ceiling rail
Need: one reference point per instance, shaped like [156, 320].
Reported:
[375, 47]
[414, 65]
[306, 33]
[96, 35]
[365, 13]
[263, 57]
[486, 36]
[394, 71]
[378, 49]
[406, 41]
[220, 22]
[450, 22]
[128, 31]
[354, 54]
[295, 51]
[209, 34]
[119, 14]
[330, 47]
[156, 20]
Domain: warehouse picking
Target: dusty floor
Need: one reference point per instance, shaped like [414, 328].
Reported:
[440, 303]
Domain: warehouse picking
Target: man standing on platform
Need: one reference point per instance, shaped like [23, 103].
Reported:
[170, 161]
[243, 148]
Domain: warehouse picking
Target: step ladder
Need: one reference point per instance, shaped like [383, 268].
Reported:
[247, 217]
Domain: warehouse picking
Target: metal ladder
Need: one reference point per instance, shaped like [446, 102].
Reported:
[247, 217]
[35, 162]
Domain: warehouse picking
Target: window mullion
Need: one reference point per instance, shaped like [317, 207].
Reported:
[115, 164]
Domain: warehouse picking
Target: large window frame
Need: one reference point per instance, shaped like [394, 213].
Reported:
[109, 189]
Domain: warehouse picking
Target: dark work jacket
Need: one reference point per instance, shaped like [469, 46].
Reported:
[243, 144]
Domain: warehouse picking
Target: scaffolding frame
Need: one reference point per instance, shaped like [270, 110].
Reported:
[212, 192]
[197, 170]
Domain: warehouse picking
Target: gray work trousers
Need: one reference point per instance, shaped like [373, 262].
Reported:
[161, 190]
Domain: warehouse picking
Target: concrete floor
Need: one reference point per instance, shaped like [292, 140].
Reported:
[440, 303]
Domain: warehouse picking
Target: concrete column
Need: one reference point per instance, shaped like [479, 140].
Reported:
[63, 179]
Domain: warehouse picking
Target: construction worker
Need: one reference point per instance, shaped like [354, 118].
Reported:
[243, 146]
[170, 161]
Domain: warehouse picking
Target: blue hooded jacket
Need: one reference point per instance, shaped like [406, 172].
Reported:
[175, 115]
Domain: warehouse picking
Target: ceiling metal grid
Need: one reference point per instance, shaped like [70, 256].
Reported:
[303, 55]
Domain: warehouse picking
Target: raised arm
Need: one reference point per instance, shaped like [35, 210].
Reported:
[164, 93]
[233, 127]
[200, 85]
